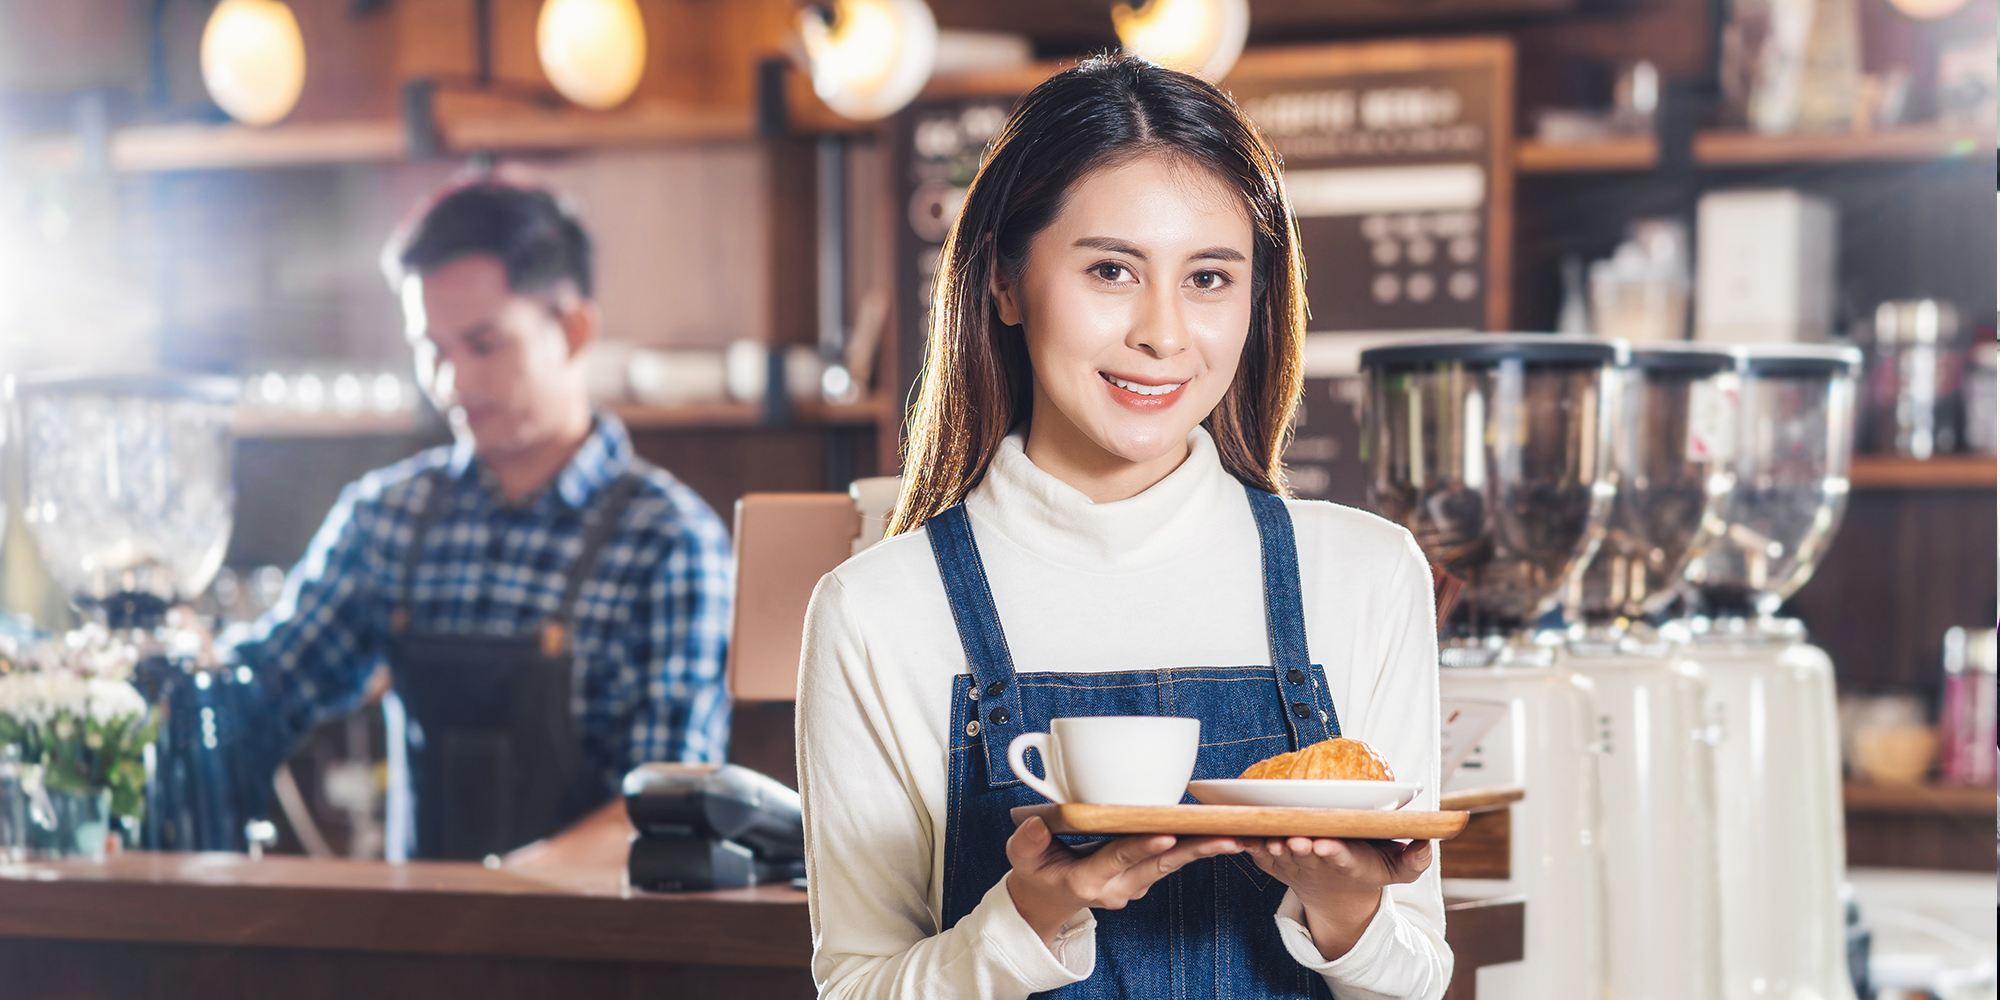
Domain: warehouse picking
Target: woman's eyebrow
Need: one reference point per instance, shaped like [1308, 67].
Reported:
[1218, 253]
[1110, 244]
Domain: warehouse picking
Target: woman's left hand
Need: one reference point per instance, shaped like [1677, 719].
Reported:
[1340, 881]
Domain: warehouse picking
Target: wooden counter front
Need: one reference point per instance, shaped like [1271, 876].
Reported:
[221, 927]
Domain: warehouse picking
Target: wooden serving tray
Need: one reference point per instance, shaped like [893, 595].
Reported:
[1246, 821]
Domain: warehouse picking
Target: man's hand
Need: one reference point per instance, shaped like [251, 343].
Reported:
[1340, 882]
[1051, 883]
[601, 839]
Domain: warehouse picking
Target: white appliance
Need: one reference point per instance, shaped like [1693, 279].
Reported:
[1780, 834]
[1764, 266]
[1675, 423]
[1494, 451]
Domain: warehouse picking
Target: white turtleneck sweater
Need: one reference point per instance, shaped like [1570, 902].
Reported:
[1171, 577]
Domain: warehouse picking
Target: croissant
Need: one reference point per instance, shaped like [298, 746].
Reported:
[1339, 757]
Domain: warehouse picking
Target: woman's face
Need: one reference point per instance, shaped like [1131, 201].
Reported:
[1135, 302]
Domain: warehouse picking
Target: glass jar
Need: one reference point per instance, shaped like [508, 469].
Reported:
[1913, 406]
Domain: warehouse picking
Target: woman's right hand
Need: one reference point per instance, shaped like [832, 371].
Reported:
[1051, 883]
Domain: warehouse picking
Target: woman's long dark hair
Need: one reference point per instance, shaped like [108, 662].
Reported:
[976, 385]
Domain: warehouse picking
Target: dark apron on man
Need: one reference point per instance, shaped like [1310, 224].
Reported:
[487, 726]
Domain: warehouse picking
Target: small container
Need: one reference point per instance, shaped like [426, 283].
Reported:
[1913, 404]
[1966, 720]
[1982, 416]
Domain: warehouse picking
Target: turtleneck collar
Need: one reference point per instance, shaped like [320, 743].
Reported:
[1052, 519]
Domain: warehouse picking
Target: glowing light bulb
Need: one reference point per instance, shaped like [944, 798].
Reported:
[873, 58]
[594, 51]
[253, 60]
[1203, 37]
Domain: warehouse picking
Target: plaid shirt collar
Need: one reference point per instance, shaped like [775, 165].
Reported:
[605, 455]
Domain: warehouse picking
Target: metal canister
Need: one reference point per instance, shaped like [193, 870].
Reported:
[1913, 404]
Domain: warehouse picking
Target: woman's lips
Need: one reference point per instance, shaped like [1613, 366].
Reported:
[1142, 395]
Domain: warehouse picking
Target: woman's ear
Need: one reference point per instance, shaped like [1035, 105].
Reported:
[1006, 295]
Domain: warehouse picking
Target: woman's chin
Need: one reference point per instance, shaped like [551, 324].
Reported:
[1147, 445]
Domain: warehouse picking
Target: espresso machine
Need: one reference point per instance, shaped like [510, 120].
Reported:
[1780, 826]
[1495, 451]
[130, 501]
[1675, 425]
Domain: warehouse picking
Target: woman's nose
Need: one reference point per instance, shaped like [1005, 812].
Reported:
[1159, 328]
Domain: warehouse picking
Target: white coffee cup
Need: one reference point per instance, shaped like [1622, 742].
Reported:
[1111, 760]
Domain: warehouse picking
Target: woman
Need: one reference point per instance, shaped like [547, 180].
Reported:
[1090, 505]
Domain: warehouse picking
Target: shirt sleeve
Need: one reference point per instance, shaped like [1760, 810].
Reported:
[312, 652]
[1402, 955]
[680, 635]
[869, 848]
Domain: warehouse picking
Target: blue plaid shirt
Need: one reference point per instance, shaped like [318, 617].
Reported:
[651, 625]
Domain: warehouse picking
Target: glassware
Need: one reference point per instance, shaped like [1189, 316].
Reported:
[79, 826]
[1672, 440]
[24, 805]
[1913, 400]
[1495, 452]
[128, 491]
[1794, 441]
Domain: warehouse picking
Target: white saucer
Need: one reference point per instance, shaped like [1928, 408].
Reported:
[1304, 794]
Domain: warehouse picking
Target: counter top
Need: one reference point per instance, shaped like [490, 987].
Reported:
[139, 922]
[438, 908]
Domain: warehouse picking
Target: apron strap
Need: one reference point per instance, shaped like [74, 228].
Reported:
[427, 513]
[996, 719]
[601, 523]
[1308, 710]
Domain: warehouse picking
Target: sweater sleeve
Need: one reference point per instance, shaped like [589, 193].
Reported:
[1402, 955]
[869, 848]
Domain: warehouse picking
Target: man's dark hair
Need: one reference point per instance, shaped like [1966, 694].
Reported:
[535, 236]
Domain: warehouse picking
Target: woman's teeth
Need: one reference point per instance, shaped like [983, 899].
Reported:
[1141, 389]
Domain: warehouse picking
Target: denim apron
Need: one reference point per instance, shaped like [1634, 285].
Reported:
[1208, 929]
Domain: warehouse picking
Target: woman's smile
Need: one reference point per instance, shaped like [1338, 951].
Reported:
[1144, 395]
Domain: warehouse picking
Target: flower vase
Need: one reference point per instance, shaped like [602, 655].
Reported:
[82, 824]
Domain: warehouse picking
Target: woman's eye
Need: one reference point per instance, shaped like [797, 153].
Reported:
[1209, 281]
[1112, 272]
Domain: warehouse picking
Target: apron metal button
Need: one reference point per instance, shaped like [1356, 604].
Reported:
[1295, 675]
[973, 694]
[1301, 709]
[972, 728]
[998, 716]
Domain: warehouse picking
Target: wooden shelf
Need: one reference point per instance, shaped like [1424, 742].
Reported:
[725, 414]
[1735, 148]
[262, 423]
[148, 148]
[570, 129]
[1946, 472]
[1930, 800]
[1638, 152]
[206, 147]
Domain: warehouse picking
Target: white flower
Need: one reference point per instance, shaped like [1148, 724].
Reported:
[111, 700]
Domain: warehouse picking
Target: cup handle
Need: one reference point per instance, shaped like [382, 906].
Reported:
[1017, 752]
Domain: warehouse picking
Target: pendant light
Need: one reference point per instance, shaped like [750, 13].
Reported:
[1202, 37]
[869, 57]
[594, 51]
[253, 60]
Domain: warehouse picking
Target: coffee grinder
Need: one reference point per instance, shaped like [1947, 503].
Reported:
[1495, 451]
[1780, 824]
[130, 501]
[1675, 424]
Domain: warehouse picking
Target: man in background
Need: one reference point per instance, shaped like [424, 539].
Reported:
[552, 610]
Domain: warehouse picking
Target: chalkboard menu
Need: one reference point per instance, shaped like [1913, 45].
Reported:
[1398, 162]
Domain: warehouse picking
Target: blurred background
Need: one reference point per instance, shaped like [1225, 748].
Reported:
[196, 186]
